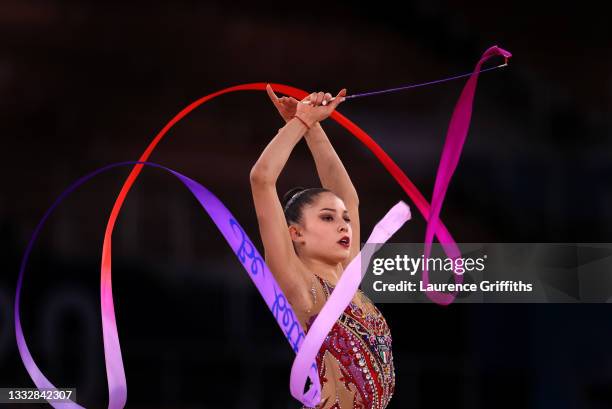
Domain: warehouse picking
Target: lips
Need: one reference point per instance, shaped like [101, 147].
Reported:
[345, 242]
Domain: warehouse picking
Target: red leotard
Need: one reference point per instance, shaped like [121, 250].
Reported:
[359, 346]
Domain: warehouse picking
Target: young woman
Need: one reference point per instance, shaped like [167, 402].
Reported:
[309, 240]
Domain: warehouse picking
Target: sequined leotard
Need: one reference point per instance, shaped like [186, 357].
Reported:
[356, 358]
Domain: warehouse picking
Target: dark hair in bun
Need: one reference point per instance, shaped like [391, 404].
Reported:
[295, 199]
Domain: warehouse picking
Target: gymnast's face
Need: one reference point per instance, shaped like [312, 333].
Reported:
[324, 224]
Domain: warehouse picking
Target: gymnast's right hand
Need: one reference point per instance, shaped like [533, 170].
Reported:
[315, 111]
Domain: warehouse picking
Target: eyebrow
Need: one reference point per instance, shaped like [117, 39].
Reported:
[333, 210]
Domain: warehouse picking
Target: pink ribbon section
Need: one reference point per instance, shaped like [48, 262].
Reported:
[455, 139]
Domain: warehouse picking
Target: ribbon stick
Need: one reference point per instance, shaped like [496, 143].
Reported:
[404, 88]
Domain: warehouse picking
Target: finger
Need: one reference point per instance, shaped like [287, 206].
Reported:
[271, 93]
[339, 98]
[319, 98]
[313, 99]
[327, 98]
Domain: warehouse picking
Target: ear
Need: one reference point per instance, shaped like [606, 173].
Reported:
[295, 233]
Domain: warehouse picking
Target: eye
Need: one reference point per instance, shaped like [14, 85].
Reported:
[327, 217]
[347, 219]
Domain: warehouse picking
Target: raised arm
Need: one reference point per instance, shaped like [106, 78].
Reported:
[279, 253]
[332, 173]
[334, 177]
[274, 157]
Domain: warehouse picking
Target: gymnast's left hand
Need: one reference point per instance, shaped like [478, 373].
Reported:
[286, 106]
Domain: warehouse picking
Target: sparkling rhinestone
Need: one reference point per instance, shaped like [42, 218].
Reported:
[358, 355]
[352, 343]
[362, 362]
[355, 348]
[368, 376]
[365, 369]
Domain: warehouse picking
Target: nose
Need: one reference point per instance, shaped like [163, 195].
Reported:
[343, 227]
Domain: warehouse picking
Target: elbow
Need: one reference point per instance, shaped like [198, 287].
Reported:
[260, 176]
[354, 197]
[349, 197]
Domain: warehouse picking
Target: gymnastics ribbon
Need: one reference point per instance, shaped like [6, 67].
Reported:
[250, 259]
[455, 139]
[115, 372]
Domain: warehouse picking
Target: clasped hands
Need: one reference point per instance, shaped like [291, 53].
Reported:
[320, 106]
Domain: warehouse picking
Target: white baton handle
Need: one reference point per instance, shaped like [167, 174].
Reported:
[323, 103]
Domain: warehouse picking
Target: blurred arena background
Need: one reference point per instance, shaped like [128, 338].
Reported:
[84, 84]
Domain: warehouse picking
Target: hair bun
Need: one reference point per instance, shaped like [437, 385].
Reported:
[287, 196]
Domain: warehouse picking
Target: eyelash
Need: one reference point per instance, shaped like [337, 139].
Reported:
[325, 218]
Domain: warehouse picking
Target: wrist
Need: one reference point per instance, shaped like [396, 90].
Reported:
[305, 120]
[316, 126]
[296, 122]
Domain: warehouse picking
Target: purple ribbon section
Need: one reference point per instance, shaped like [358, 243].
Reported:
[259, 273]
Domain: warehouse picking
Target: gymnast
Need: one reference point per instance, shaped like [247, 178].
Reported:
[309, 239]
